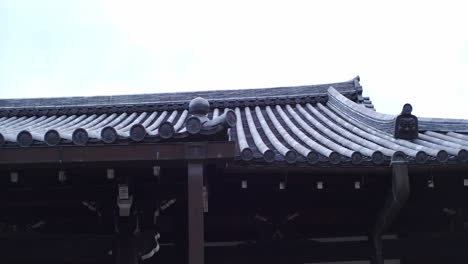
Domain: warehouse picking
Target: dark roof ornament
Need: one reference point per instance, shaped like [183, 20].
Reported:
[199, 106]
[198, 111]
[358, 87]
[198, 121]
[406, 124]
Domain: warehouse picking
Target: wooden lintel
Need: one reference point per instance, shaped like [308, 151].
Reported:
[112, 153]
[96, 249]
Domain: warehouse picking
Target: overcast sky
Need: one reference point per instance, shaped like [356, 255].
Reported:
[404, 51]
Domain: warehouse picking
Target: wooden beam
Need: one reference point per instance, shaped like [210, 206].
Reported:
[112, 153]
[61, 248]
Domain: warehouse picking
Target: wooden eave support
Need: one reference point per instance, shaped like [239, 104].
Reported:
[396, 199]
[192, 154]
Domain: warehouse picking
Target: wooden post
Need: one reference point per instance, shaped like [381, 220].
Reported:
[196, 247]
[195, 213]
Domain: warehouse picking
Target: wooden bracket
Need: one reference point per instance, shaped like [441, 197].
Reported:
[195, 151]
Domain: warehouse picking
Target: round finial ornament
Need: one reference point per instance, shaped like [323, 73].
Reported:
[199, 106]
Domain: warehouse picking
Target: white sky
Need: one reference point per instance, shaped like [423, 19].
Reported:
[404, 51]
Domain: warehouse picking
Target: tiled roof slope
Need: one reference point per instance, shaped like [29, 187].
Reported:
[320, 124]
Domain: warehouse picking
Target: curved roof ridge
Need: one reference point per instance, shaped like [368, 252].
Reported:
[358, 107]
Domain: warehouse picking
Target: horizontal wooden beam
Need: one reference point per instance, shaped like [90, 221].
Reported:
[23, 248]
[96, 249]
[113, 153]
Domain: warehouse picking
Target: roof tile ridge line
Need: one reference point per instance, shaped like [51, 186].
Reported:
[91, 105]
[160, 103]
[362, 110]
[110, 104]
[109, 97]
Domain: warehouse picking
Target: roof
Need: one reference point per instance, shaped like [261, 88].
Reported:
[326, 124]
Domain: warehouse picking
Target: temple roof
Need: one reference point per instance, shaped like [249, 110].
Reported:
[308, 125]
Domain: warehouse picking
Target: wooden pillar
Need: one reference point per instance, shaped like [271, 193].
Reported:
[126, 251]
[196, 247]
[195, 213]
[125, 247]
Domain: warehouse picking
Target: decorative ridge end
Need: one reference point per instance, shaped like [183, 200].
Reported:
[198, 121]
[406, 124]
[358, 87]
[357, 83]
